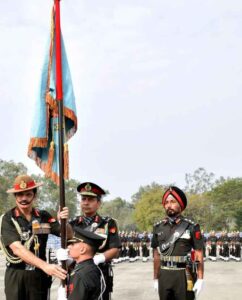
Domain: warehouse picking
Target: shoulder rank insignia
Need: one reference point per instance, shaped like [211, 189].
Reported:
[189, 221]
[158, 223]
[51, 220]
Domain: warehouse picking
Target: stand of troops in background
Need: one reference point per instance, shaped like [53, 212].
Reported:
[224, 246]
[135, 246]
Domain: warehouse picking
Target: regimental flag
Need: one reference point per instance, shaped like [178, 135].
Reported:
[43, 146]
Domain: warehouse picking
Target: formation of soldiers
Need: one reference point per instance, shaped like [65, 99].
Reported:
[135, 246]
[220, 245]
[225, 246]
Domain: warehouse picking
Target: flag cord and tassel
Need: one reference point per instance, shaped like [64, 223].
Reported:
[66, 161]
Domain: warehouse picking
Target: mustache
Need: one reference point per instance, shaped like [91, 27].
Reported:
[25, 202]
[170, 209]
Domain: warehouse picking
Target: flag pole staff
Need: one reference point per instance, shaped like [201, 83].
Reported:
[59, 98]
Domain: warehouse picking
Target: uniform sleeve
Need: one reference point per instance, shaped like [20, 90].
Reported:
[54, 224]
[9, 231]
[154, 240]
[113, 235]
[197, 239]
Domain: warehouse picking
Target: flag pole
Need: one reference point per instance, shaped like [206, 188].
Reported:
[59, 98]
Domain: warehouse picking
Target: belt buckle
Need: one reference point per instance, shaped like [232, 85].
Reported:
[29, 267]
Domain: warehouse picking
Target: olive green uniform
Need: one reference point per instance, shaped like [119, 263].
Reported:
[24, 281]
[172, 278]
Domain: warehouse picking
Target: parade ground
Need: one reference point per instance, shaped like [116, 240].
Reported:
[133, 281]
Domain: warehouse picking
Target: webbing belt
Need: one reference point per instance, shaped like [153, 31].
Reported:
[172, 268]
[175, 259]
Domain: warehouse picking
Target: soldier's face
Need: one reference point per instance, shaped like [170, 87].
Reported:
[89, 205]
[75, 250]
[172, 207]
[24, 199]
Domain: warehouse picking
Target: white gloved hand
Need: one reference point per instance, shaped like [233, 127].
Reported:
[62, 254]
[156, 285]
[98, 259]
[61, 293]
[198, 287]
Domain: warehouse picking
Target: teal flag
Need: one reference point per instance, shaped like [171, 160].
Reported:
[43, 145]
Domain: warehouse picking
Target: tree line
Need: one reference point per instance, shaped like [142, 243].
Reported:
[215, 203]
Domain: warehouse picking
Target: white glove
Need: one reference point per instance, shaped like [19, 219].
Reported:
[62, 254]
[156, 285]
[61, 293]
[98, 259]
[198, 287]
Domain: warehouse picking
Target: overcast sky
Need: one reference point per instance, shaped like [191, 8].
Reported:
[158, 87]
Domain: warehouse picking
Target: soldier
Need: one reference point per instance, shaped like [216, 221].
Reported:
[172, 242]
[212, 246]
[204, 245]
[235, 246]
[91, 195]
[131, 246]
[24, 233]
[145, 244]
[137, 246]
[223, 245]
[123, 251]
[86, 281]
[126, 237]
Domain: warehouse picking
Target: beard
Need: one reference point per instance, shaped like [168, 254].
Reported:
[172, 213]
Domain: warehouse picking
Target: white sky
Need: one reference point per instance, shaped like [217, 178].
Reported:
[158, 87]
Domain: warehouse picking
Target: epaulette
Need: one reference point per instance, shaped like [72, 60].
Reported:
[106, 219]
[75, 220]
[116, 221]
[189, 221]
[158, 223]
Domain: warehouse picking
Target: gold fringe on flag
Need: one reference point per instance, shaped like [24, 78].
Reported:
[51, 154]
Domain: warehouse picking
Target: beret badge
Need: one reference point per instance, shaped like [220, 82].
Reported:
[23, 185]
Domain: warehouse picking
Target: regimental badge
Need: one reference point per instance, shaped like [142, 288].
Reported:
[112, 230]
[198, 235]
[23, 185]
[88, 187]
[70, 286]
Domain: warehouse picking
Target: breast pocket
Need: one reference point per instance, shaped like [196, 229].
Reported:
[161, 237]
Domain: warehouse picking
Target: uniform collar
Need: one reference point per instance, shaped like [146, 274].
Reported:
[17, 213]
[81, 264]
[96, 218]
[173, 221]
